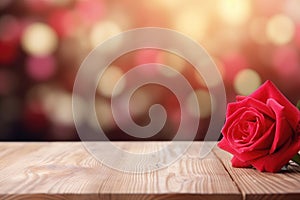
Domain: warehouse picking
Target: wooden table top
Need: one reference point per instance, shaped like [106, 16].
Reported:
[65, 170]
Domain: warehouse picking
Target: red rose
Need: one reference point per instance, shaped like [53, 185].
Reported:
[262, 130]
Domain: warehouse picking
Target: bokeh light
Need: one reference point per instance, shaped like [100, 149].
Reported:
[102, 31]
[172, 60]
[63, 22]
[140, 102]
[104, 114]
[109, 81]
[192, 23]
[58, 107]
[145, 56]
[280, 29]
[247, 81]
[41, 68]
[39, 39]
[90, 11]
[234, 12]
[204, 104]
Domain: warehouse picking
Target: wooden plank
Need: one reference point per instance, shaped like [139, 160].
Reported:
[257, 185]
[65, 170]
[13, 152]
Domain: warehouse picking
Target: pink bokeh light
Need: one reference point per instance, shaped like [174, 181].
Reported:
[41, 68]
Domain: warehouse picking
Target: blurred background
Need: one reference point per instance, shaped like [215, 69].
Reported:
[43, 42]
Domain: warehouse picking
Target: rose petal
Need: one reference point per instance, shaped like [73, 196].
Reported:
[244, 156]
[268, 90]
[238, 163]
[274, 162]
[223, 144]
[240, 98]
[265, 141]
[283, 130]
[249, 103]
[231, 120]
[261, 139]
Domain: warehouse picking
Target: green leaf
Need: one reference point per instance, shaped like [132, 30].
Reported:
[298, 105]
[296, 158]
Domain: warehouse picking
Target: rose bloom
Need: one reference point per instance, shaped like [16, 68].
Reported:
[262, 130]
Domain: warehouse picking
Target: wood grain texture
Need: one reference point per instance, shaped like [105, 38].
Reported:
[65, 170]
[256, 185]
